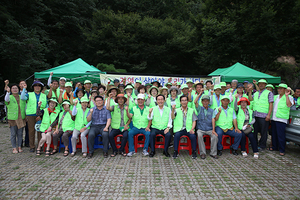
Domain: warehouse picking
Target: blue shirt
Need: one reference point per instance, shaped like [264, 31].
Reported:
[100, 117]
[204, 122]
[216, 112]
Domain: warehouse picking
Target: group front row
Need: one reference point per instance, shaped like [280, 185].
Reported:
[80, 120]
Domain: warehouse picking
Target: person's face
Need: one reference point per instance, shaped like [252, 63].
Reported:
[190, 85]
[55, 85]
[225, 102]
[160, 101]
[169, 86]
[129, 91]
[184, 101]
[164, 92]
[142, 91]
[87, 86]
[154, 92]
[137, 85]
[281, 90]
[297, 93]
[14, 89]
[121, 89]
[198, 88]
[121, 101]
[62, 83]
[114, 92]
[80, 94]
[116, 84]
[248, 86]
[173, 93]
[52, 105]
[240, 89]
[262, 86]
[243, 104]
[140, 102]
[223, 88]
[94, 88]
[68, 89]
[37, 88]
[178, 86]
[22, 84]
[208, 85]
[185, 91]
[147, 87]
[233, 85]
[218, 92]
[270, 89]
[205, 103]
[99, 102]
[101, 90]
[84, 105]
[228, 86]
[66, 107]
[155, 84]
[245, 85]
[94, 94]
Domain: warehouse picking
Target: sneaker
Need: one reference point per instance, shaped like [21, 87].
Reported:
[194, 155]
[84, 155]
[255, 156]
[145, 152]
[244, 154]
[130, 154]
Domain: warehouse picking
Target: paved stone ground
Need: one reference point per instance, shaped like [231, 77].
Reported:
[26, 176]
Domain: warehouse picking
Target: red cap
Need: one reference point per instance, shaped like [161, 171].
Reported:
[243, 99]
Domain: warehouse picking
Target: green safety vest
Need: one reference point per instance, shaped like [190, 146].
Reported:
[13, 108]
[233, 99]
[261, 104]
[48, 119]
[178, 121]
[116, 117]
[131, 104]
[81, 121]
[199, 101]
[214, 104]
[241, 117]
[298, 101]
[152, 103]
[138, 120]
[177, 101]
[57, 94]
[160, 122]
[283, 111]
[32, 103]
[225, 122]
[68, 124]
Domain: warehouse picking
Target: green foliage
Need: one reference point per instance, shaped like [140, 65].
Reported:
[109, 68]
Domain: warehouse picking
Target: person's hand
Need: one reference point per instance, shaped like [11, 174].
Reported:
[50, 85]
[149, 95]
[71, 82]
[105, 129]
[147, 129]
[8, 89]
[170, 80]
[90, 97]
[126, 108]
[173, 107]
[201, 81]
[110, 95]
[215, 133]
[267, 118]
[219, 109]
[38, 119]
[91, 110]
[77, 84]
[126, 127]
[237, 130]
[202, 90]
[128, 94]
[61, 90]
[254, 81]
[166, 130]
[192, 131]
[39, 103]
[212, 92]
[55, 132]
[6, 82]
[25, 86]
[75, 102]
[83, 129]
[71, 94]
[236, 95]
[49, 129]
[287, 92]
[190, 90]
[231, 90]
[150, 110]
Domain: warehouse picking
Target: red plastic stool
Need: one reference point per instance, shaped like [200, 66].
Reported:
[225, 144]
[51, 145]
[185, 145]
[206, 141]
[139, 143]
[247, 144]
[159, 145]
[118, 144]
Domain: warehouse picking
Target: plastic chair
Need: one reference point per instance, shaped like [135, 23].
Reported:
[158, 144]
[225, 144]
[185, 145]
[247, 144]
[98, 144]
[139, 143]
[61, 144]
[118, 144]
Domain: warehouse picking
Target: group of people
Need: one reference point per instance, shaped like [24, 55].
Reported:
[240, 110]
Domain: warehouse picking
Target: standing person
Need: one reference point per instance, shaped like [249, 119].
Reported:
[204, 127]
[155, 83]
[224, 122]
[49, 120]
[116, 82]
[161, 119]
[223, 88]
[281, 113]
[232, 90]
[87, 88]
[152, 93]
[101, 119]
[64, 128]
[67, 94]
[169, 85]
[77, 86]
[53, 91]
[209, 87]
[186, 91]
[130, 96]
[173, 99]
[32, 99]
[263, 101]
[238, 94]
[199, 90]
[119, 123]
[62, 82]
[190, 85]
[94, 93]
[79, 95]
[82, 126]
[148, 86]
[215, 98]
[23, 86]
[16, 116]
[245, 120]
[297, 96]
[137, 84]
[102, 91]
[121, 88]
[138, 115]
[184, 124]
[114, 91]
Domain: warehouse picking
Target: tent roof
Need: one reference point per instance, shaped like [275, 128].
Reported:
[242, 73]
[76, 70]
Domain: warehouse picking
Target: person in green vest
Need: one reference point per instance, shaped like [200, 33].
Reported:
[297, 96]
[148, 86]
[161, 119]
[281, 114]
[130, 96]
[185, 90]
[223, 88]
[184, 124]
[215, 97]
[137, 84]
[238, 95]
[164, 91]
[93, 94]
[64, 128]
[168, 85]
[262, 101]
[138, 114]
[245, 120]
[190, 85]
[233, 87]
[151, 100]
[155, 83]
[225, 123]
[102, 91]
[199, 91]
[209, 86]
[49, 120]
[54, 90]
[270, 87]
[114, 92]
[87, 88]
[79, 95]
[173, 98]
[32, 99]
[16, 116]
[119, 124]
[67, 94]
[82, 126]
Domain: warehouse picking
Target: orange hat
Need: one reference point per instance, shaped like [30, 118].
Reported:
[120, 96]
[243, 99]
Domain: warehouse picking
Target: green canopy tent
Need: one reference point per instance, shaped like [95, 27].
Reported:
[242, 73]
[77, 70]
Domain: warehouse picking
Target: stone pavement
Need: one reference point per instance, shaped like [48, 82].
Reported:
[26, 176]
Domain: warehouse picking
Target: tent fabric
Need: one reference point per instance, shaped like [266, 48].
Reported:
[77, 70]
[242, 73]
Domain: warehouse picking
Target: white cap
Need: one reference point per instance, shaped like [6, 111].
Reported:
[141, 96]
[63, 78]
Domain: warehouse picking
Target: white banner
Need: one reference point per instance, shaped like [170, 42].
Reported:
[107, 78]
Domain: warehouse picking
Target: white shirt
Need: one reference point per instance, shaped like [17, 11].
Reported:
[275, 108]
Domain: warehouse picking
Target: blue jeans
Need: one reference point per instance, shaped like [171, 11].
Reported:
[278, 136]
[252, 141]
[193, 138]
[134, 131]
[16, 133]
[155, 132]
[111, 137]
[231, 133]
[94, 131]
